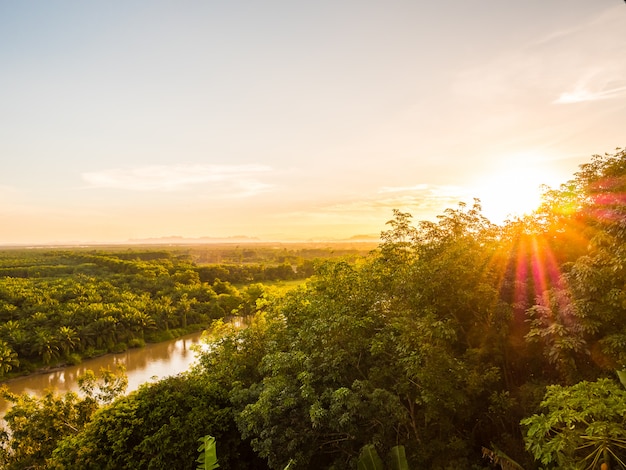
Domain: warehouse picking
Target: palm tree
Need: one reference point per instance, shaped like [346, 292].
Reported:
[138, 321]
[68, 339]
[13, 333]
[7, 310]
[45, 345]
[8, 358]
[103, 330]
[164, 312]
[184, 307]
[39, 319]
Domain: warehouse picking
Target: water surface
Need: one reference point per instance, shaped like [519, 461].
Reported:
[152, 362]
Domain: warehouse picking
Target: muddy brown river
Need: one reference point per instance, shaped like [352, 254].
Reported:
[152, 362]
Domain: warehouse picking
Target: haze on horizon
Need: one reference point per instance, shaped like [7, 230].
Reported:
[295, 120]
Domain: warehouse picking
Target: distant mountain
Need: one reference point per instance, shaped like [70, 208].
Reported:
[364, 238]
[179, 240]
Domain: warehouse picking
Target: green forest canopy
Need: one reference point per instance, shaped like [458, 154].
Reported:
[59, 305]
[442, 340]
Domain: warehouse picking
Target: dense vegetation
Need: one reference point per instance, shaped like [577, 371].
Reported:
[469, 344]
[58, 306]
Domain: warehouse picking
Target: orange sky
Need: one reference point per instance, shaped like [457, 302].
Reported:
[286, 120]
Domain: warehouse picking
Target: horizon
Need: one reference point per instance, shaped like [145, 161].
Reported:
[173, 240]
[292, 121]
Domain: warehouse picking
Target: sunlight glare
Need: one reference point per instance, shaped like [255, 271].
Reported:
[513, 191]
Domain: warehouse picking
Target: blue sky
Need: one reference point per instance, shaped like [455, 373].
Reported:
[295, 120]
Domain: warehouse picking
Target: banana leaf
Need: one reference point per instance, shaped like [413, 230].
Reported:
[369, 459]
[208, 453]
[398, 458]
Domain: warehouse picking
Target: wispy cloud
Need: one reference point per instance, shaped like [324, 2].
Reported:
[423, 198]
[583, 93]
[583, 63]
[423, 201]
[236, 180]
[595, 63]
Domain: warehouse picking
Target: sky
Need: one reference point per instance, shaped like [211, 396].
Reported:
[283, 120]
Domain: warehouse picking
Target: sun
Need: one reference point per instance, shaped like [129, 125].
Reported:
[513, 190]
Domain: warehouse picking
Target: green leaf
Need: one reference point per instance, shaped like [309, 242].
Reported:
[369, 459]
[398, 458]
[497, 457]
[621, 374]
[208, 453]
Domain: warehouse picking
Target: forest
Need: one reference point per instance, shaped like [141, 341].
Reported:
[461, 343]
[60, 306]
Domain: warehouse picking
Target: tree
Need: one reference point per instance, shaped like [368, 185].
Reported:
[105, 388]
[590, 211]
[581, 426]
[554, 323]
[164, 312]
[137, 322]
[35, 426]
[68, 339]
[45, 344]
[8, 358]
[103, 330]
[157, 427]
[350, 361]
[13, 333]
[185, 305]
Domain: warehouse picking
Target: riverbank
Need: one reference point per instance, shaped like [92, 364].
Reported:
[152, 362]
[76, 359]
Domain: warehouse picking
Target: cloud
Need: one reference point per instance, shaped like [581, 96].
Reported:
[582, 63]
[423, 201]
[595, 61]
[234, 180]
[423, 198]
[582, 93]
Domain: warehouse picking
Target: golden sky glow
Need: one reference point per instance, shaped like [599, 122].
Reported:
[295, 120]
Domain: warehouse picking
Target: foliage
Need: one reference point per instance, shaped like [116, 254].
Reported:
[107, 387]
[156, 427]
[35, 426]
[207, 459]
[497, 457]
[57, 305]
[370, 460]
[554, 322]
[581, 426]
[8, 358]
[426, 349]
[356, 356]
[590, 211]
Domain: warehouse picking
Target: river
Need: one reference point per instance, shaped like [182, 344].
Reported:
[152, 362]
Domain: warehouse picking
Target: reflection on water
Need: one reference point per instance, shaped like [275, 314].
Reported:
[152, 362]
